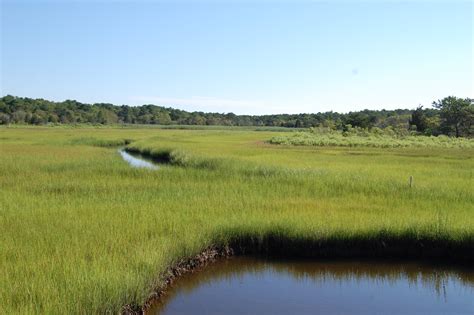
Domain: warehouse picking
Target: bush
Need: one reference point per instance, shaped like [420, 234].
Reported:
[358, 137]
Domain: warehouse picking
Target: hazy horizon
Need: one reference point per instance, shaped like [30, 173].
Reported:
[249, 58]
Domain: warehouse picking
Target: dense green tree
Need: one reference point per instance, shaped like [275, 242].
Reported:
[419, 120]
[18, 116]
[362, 119]
[451, 116]
[456, 115]
[162, 118]
[4, 119]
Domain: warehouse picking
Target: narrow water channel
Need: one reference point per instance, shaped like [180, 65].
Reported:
[137, 160]
[245, 285]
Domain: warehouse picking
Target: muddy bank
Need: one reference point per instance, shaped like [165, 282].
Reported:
[207, 256]
[461, 253]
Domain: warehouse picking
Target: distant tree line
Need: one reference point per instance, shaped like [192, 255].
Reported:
[450, 116]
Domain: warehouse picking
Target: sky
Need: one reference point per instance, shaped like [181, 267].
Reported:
[245, 57]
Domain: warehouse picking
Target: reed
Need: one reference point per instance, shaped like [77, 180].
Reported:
[83, 232]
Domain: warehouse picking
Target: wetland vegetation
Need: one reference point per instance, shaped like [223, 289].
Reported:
[83, 232]
[299, 157]
[357, 137]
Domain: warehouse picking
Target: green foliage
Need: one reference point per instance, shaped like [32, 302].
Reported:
[451, 116]
[361, 119]
[419, 120]
[19, 110]
[457, 116]
[357, 137]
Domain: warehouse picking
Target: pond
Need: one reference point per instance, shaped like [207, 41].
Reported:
[247, 285]
[137, 160]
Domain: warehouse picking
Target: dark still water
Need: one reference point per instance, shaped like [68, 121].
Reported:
[244, 285]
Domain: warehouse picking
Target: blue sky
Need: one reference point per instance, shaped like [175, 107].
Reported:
[246, 57]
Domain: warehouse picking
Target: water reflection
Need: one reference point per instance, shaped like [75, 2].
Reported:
[136, 160]
[245, 285]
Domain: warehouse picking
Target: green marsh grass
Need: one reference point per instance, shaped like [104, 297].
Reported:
[83, 232]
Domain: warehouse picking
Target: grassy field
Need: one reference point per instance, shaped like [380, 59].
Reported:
[83, 232]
